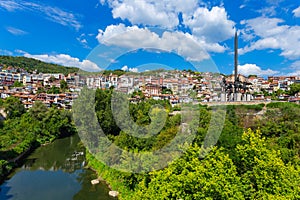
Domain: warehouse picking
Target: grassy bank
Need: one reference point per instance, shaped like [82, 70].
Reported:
[114, 178]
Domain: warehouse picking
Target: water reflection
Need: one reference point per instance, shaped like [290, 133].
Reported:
[55, 171]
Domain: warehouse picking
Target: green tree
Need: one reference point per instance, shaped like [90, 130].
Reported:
[264, 174]
[13, 107]
[256, 172]
[280, 92]
[167, 91]
[63, 85]
[18, 84]
[41, 90]
[53, 90]
[214, 177]
[52, 79]
[294, 88]
[38, 110]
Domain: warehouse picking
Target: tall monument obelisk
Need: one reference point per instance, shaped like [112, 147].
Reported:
[236, 81]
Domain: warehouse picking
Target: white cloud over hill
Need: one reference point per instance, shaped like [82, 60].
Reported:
[66, 60]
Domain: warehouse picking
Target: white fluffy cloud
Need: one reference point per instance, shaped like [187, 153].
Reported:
[126, 68]
[120, 35]
[66, 60]
[296, 12]
[270, 34]
[186, 45]
[141, 12]
[213, 25]
[265, 27]
[248, 69]
[150, 12]
[208, 27]
[134, 70]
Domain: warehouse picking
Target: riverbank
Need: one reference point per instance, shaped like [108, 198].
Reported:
[23, 131]
[54, 171]
[12, 163]
[8, 165]
[111, 177]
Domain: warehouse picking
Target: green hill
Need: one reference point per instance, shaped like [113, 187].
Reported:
[30, 65]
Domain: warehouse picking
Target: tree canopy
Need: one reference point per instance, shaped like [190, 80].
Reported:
[257, 163]
[22, 130]
[257, 173]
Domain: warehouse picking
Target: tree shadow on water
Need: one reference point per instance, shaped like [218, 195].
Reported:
[4, 192]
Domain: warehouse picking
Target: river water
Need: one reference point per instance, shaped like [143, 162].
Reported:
[54, 172]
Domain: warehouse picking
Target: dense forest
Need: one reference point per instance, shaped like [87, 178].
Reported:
[22, 131]
[30, 65]
[256, 156]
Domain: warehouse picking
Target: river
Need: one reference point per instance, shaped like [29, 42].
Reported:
[53, 172]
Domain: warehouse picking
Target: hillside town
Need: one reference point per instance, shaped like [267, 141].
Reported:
[175, 86]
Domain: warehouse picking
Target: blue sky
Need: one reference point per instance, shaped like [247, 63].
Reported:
[98, 33]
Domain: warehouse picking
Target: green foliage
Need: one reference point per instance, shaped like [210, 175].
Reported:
[138, 93]
[104, 113]
[38, 111]
[244, 165]
[176, 108]
[52, 79]
[167, 91]
[263, 171]
[117, 72]
[63, 85]
[256, 107]
[41, 90]
[30, 65]
[115, 178]
[5, 167]
[280, 123]
[294, 88]
[53, 90]
[214, 177]
[26, 130]
[231, 131]
[256, 173]
[148, 116]
[13, 107]
[282, 105]
[18, 84]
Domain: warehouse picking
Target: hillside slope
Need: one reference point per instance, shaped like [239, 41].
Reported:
[30, 65]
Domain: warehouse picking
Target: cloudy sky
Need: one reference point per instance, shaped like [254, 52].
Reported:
[100, 33]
